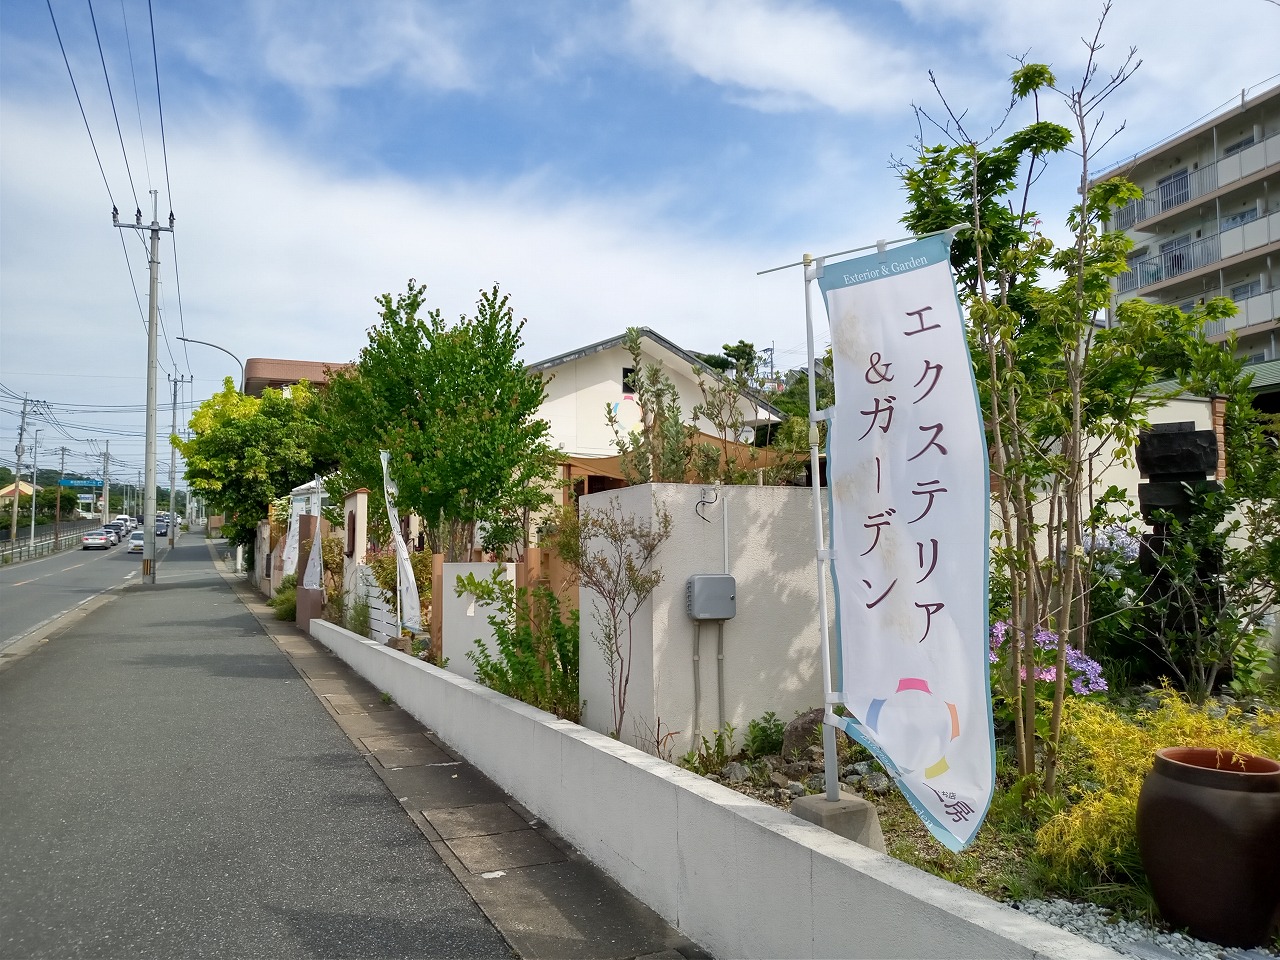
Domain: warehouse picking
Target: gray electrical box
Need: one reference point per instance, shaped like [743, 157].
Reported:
[711, 596]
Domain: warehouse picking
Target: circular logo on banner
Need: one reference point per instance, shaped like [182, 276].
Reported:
[915, 727]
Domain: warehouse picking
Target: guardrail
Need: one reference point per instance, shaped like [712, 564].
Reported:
[24, 548]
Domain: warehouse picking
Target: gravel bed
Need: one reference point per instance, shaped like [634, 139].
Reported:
[1131, 937]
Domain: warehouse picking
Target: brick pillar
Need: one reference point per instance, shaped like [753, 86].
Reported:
[1219, 405]
[310, 602]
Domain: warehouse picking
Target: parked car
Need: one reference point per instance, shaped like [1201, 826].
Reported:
[95, 540]
[135, 541]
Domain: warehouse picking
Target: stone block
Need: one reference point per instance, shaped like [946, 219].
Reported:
[851, 817]
[1187, 454]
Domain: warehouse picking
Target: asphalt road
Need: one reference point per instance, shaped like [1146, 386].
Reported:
[36, 590]
[172, 788]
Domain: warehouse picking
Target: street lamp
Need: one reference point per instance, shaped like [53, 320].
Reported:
[205, 343]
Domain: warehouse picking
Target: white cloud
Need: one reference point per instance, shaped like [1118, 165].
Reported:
[1194, 59]
[282, 257]
[314, 47]
[777, 55]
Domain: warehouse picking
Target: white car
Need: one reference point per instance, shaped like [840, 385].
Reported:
[135, 541]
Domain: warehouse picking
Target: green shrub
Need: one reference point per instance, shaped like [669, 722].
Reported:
[1108, 756]
[357, 617]
[537, 655]
[712, 755]
[764, 736]
[285, 600]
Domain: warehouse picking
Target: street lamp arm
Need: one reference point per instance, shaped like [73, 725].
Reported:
[205, 343]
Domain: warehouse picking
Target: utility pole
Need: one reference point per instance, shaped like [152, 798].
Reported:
[35, 451]
[17, 474]
[173, 461]
[106, 483]
[153, 326]
[57, 501]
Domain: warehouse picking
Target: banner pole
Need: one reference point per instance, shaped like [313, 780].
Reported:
[830, 762]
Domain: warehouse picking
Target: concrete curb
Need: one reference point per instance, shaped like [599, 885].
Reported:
[14, 650]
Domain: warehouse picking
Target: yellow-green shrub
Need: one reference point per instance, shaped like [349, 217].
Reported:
[1108, 755]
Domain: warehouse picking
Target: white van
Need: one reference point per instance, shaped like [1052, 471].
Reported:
[128, 521]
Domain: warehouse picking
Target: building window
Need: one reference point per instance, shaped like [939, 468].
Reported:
[1243, 291]
[1236, 219]
[629, 381]
[1239, 145]
[1174, 189]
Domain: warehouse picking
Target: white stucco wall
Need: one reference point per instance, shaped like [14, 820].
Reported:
[580, 390]
[465, 619]
[771, 647]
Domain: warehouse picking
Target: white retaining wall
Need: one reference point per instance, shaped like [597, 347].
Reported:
[772, 647]
[741, 878]
[464, 619]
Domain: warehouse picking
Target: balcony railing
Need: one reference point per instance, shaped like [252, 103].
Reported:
[1214, 328]
[1172, 193]
[1170, 263]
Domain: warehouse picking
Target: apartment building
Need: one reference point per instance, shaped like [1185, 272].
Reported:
[1208, 223]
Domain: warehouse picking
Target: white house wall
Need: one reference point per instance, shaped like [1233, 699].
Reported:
[579, 391]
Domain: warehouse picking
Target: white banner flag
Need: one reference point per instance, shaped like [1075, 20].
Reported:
[406, 585]
[907, 475]
[313, 576]
[291, 538]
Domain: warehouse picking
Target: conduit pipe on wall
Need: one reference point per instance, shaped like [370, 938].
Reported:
[724, 526]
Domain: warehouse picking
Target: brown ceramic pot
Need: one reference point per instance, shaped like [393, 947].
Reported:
[1209, 835]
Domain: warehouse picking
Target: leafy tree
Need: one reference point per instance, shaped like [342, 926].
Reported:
[1062, 397]
[459, 413]
[613, 554]
[659, 449]
[246, 451]
[48, 498]
[740, 358]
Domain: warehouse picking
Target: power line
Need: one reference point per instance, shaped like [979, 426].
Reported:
[85, 118]
[137, 101]
[112, 98]
[168, 192]
[168, 186]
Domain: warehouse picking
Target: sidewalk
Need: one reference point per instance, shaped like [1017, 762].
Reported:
[545, 898]
[188, 778]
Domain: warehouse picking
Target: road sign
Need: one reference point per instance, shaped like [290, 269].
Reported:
[86, 498]
[70, 482]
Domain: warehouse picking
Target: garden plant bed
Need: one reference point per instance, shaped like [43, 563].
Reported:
[1107, 900]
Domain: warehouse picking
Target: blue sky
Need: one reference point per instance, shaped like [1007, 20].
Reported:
[609, 163]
